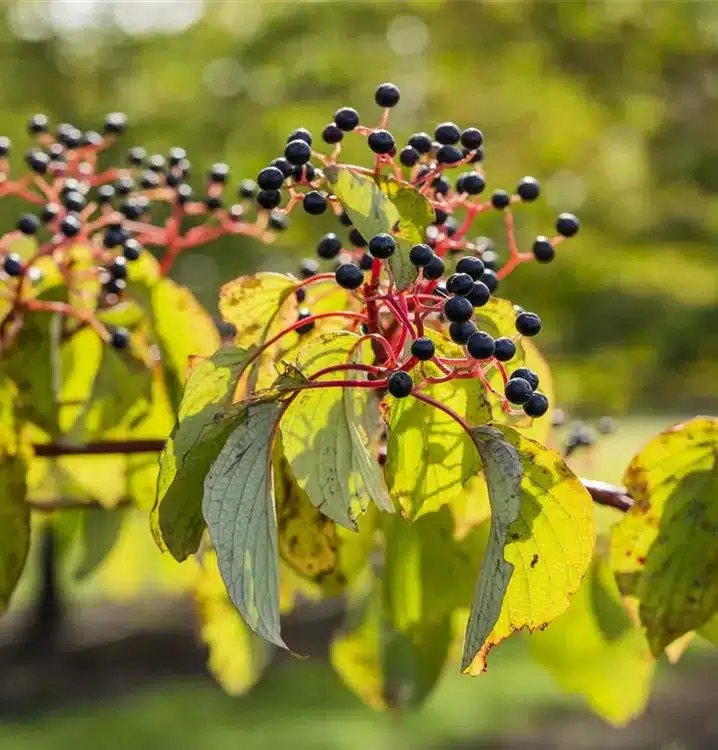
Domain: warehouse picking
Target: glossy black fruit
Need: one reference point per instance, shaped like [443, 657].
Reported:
[314, 203]
[528, 375]
[505, 349]
[518, 391]
[12, 265]
[537, 405]
[421, 255]
[473, 266]
[329, 246]
[400, 384]
[459, 283]
[423, 348]
[382, 246]
[481, 345]
[349, 276]
[387, 95]
[461, 332]
[528, 323]
[479, 295]
[458, 309]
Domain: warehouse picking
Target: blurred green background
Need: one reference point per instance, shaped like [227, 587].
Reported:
[612, 104]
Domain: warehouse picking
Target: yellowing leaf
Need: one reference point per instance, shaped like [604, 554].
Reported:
[313, 545]
[666, 542]
[498, 318]
[538, 553]
[596, 649]
[384, 205]
[201, 431]
[183, 328]
[429, 455]
[237, 657]
[323, 439]
[14, 513]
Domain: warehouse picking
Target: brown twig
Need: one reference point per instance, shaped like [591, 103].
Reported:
[602, 493]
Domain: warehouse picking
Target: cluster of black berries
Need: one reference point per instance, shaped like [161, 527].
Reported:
[579, 434]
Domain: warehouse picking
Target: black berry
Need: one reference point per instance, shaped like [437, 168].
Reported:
[458, 309]
[300, 134]
[303, 315]
[132, 209]
[149, 180]
[471, 183]
[38, 161]
[421, 142]
[175, 156]
[118, 269]
[479, 294]
[303, 172]
[421, 255]
[472, 138]
[213, 202]
[116, 123]
[12, 265]
[124, 185]
[71, 225]
[449, 155]
[434, 268]
[136, 156]
[74, 201]
[131, 249]
[346, 118]
[247, 189]
[381, 141]
[114, 286]
[500, 199]
[5, 145]
[366, 262]
[219, 172]
[382, 246]
[471, 265]
[184, 194]
[459, 283]
[441, 186]
[37, 124]
[269, 199]
[518, 391]
[356, 238]
[156, 163]
[28, 224]
[461, 332]
[567, 225]
[528, 323]
[490, 279]
[345, 219]
[120, 338]
[270, 178]
[50, 212]
[91, 138]
[527, 374]
[537, 405]
[387, 95]
[505, 349]
[447, 133]
[308, 268]
[349, 276]
[543, 250]
[282, 165]
[329, 246]
[408, 156]
[314, 203]
[332, 133]
[528, 189]
[481, 345]
[297, 152]
[278, 220]
[105, 193]
[114, 236]
[423, 348]
[400, 384]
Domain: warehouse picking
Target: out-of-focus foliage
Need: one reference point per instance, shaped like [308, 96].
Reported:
[611, 104]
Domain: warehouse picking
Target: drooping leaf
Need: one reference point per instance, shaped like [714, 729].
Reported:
[238, 506]
[540, 546]
[597, 650]
[99, 530]
[429, 455]
[182, 329]
[498, 318]
[313, 545]
[324, 442]
[201, 431]
[384, 205]
[666, 542]
[237, 657]
[14, 512]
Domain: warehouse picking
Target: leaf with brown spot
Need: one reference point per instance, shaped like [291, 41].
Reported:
[666, 544]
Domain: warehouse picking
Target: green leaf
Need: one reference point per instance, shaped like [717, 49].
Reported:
[540, 546]
[315, 547]
[415, 215]
[201, 431]
[237, 657]
[666, 542]
[384, 205]
[498, 318]
[323, 438]
[183, 329]
[597, 650]
[14, 512]
[99, 530]
[429, 455]
[709, 631]
[238, 506]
